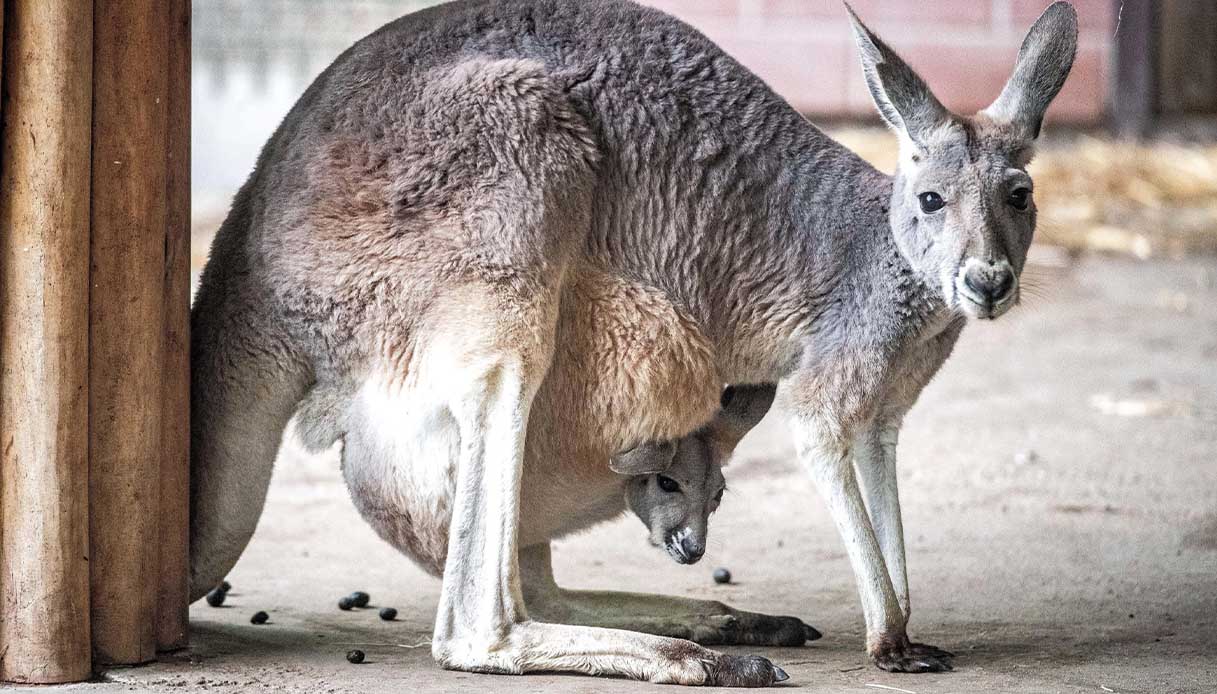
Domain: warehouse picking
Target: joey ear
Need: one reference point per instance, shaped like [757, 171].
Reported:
[743, 407]
[903, 99]
[644, 459]
[1043, 64]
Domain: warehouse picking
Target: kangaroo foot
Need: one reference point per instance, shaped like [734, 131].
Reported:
[725, 670]
[743, 671]
[767, 630]
[898, 654]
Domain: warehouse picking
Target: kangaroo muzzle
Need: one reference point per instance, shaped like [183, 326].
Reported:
[986, 289]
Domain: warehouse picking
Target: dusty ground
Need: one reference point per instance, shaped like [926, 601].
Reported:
[1060, 487]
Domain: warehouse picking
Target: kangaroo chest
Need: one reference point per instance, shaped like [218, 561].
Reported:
[628, 367]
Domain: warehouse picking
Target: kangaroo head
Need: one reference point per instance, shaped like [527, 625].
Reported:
[962, 209]
[675, 486]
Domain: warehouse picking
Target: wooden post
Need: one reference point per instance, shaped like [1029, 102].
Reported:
[44, 327]
[173, 596]
[1134, 87]
[126, 312]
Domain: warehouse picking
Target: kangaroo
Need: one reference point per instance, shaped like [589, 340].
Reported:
[481, 194]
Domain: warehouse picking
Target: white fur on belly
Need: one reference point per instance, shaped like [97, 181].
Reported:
[400, 459]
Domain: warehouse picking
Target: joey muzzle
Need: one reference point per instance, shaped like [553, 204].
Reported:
[684, 547]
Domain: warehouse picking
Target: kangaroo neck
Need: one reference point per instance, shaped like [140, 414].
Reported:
[819, 270]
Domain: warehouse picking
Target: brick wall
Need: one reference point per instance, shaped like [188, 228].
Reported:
[965, 49]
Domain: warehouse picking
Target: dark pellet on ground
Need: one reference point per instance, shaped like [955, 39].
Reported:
[361, 598]
[216, 597]
[722, 575]
[388, 613]
[225, 586]
[346, 603]
[259, 617]
[355, 656]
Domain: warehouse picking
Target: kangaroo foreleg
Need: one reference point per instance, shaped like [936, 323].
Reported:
[830, 461]
[875, 464]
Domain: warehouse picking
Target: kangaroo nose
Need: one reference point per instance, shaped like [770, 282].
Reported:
[992, 284]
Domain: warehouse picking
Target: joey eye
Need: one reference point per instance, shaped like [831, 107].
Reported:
[931, 202]
[1019, 198]
[719, 496]
[667, 484]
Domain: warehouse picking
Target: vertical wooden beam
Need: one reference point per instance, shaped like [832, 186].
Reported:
[44, 327]
[130, 100]
[1134, 87]
[173, 594]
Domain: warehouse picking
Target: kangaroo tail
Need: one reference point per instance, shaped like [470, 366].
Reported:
[246, 380]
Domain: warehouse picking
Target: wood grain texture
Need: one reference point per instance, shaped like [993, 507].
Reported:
[173, 589]
[130, 100]
[44, 325]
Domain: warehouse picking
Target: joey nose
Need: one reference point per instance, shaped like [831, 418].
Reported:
[693, 550]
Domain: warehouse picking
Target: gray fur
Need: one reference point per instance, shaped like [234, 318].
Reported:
[1043, 64]
[903, 98]
[461, 170]
[678, 521]
[645, 459]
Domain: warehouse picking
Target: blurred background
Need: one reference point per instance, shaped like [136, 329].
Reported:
[1128, 163]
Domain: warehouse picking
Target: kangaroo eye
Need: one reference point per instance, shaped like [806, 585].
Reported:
[1019, 198]
[667, 484]
[931, 202]
[719, 496]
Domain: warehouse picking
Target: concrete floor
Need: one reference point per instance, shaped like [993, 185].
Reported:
[1059, 481]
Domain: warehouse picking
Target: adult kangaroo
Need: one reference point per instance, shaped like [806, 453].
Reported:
[480, 191]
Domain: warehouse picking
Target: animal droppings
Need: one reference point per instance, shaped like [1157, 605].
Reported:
[722, 575]
[225, 586]
[216, 597]
[260, 617]
[346, 603]
[355, 656]
[388, 613]
[361, 598]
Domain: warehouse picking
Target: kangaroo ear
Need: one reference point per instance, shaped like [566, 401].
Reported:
[903, 98]
[1043, 64]
[644, 459]
[743, 407]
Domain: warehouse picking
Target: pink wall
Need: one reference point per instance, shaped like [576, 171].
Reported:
[964, 48]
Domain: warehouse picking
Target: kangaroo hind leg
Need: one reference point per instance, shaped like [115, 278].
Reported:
[482, 624]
